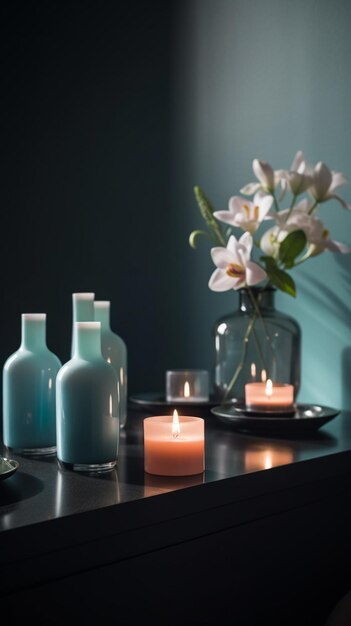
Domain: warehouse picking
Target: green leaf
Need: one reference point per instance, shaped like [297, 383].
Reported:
[207, 211]
[282, 280]
[277, 277]
[194, 235]
[290, 248]
[205, 205]
[269, 262]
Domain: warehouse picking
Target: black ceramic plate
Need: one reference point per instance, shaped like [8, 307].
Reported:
[307, 417]
[7, 467]
[152, 401]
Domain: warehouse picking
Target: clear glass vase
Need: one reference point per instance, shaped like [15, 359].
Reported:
[255, 343]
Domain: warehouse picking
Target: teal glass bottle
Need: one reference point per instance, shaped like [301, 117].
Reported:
[114, 351]
[87, 405]
[29, 403]
[82, 311]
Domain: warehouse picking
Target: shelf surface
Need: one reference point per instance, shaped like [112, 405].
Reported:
[41, 490]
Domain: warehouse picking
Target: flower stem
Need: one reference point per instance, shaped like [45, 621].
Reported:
[243, 357]
[312, 207]
[290, 208]
[259, 315]
[276, 205]
[260, 353]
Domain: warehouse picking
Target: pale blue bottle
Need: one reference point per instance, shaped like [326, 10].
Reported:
[114, 351]
[29, 402]
[87, 405]
[82, 311]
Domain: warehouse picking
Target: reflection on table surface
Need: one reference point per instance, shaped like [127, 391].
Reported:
[41, 489]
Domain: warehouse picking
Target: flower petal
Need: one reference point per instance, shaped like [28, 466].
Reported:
[264, 173]
[337, 246]
[232, 244]
[322, 179]
[264, 204]
[268, 243]
[299, 183]
[250, 188]
[246, 241]
[236, 203]
[283, 190]
[254, 273]
[225, 216]
[222, 257]
[335, 196]
[220, 281]
[338, 179]
[298, 164]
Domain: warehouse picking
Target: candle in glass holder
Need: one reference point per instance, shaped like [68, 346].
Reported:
[187, 386]
[174, 446]
[269, 396]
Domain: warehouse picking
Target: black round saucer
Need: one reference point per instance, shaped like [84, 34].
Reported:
[152, 401]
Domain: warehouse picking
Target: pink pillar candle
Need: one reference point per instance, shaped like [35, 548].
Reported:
[266, 396]
[174, 448]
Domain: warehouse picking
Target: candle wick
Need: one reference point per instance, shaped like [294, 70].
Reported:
[175, 435]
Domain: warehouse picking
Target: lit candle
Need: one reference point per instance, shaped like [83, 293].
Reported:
[187, 386]
[174, 446]
[268, 396]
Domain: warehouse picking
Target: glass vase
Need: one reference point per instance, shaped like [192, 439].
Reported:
[255, 343]
[29, 403]
[114, 351]
[87, 405]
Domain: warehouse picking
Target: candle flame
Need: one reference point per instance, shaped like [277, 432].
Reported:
[175, 424]
[253, 370]
[269, 388]
[263, 376]
[186, 389]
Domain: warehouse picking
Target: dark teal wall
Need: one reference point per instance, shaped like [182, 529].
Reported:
[262, 79]
[84, 170]
[111, 113]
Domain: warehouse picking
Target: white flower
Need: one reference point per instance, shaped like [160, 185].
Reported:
[317, 235]
[323, 243]
[234, 267]
[272, 238]
[297, 178]
[297, 183]
[301, 220]
[324, 184]
[268, 179]
[245, 214]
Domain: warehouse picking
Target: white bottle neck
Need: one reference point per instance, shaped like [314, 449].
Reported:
[33, 331]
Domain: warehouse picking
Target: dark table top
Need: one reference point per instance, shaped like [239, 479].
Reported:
[40, 490]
